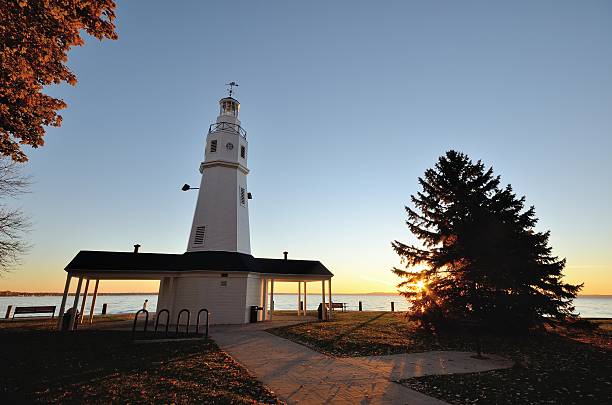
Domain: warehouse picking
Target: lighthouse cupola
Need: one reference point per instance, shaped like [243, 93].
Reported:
[229, 107]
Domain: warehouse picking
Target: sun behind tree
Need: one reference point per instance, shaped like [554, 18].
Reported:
[481, 257]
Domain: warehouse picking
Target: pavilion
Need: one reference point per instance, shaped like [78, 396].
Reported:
[168, 268]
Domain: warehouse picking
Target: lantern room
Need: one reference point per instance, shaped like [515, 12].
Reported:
[229, 106]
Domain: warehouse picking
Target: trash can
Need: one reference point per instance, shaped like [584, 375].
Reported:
[254, 315]
[67, 317]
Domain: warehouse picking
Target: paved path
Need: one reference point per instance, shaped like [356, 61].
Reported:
[300, 375]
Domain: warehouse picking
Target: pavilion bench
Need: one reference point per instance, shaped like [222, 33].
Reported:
[35, 310]
[341, 305]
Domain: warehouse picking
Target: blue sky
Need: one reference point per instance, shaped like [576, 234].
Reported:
[346, 103]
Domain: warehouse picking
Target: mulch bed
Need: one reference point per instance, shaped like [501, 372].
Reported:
[549, 369]
[89, 366]
[560, 366]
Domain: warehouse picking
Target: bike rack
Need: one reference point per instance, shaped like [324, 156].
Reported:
[167, 319]
[198, 321]
[136, 320]
[178, 320]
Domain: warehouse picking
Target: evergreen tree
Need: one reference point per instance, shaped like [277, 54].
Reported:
[480, 258]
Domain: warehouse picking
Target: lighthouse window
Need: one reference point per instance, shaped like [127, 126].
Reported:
[229, 107]
[242, 196]
[200, 234]
[242, 152]
[213, 145]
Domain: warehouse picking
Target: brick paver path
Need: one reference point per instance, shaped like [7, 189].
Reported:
[300, 375]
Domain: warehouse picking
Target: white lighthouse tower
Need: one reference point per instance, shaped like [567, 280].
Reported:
[221, 219]
[217, 275]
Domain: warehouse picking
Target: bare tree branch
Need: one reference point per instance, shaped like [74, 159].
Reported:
[12, 181]
[14, 225]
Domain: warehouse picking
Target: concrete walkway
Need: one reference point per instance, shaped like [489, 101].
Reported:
[300, 375]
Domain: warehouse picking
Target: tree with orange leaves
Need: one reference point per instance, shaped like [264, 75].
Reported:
[35, 37]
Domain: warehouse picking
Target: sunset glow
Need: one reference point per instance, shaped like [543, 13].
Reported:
[331, 137]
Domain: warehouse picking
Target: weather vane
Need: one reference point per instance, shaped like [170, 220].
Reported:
[231, 87]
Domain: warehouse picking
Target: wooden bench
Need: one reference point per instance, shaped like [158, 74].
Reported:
[35, 310]
[334, 305]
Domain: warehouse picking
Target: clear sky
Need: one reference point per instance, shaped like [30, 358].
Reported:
[346, 103]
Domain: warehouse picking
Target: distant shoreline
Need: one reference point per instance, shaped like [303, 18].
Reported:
[51, 294]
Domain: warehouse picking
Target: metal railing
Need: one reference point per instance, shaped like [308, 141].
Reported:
[178, 321]
[158, 315]
[198, 321]
[226, 126]
[136, 321]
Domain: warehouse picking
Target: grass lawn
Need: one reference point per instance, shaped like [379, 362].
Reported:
[89, 366]
[561, 366]
[30, 324]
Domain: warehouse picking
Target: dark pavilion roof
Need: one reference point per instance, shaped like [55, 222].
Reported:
[91, 261]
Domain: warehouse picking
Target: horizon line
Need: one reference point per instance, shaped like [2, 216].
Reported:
[9, 293]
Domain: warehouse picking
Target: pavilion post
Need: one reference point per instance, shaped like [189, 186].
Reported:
[76, 303]
[271, 297]
[324, 307]
[265, 299]
[82, 313]
[299, 310]
[93, 301]
[63, 304]
[331, 307]
[260, 317]
[305, 300]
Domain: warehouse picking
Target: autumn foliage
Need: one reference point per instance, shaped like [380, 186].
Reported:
[35, 37]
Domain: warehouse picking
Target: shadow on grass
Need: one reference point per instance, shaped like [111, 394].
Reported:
[356, 328]
[549, 368]
[38, 362]
[42, 365]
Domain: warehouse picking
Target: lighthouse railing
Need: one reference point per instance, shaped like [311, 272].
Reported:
[228, 126]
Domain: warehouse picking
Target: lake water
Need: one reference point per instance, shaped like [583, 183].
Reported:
[588, 307]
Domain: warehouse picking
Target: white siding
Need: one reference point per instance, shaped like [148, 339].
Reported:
[220, 212]
[227, 304]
